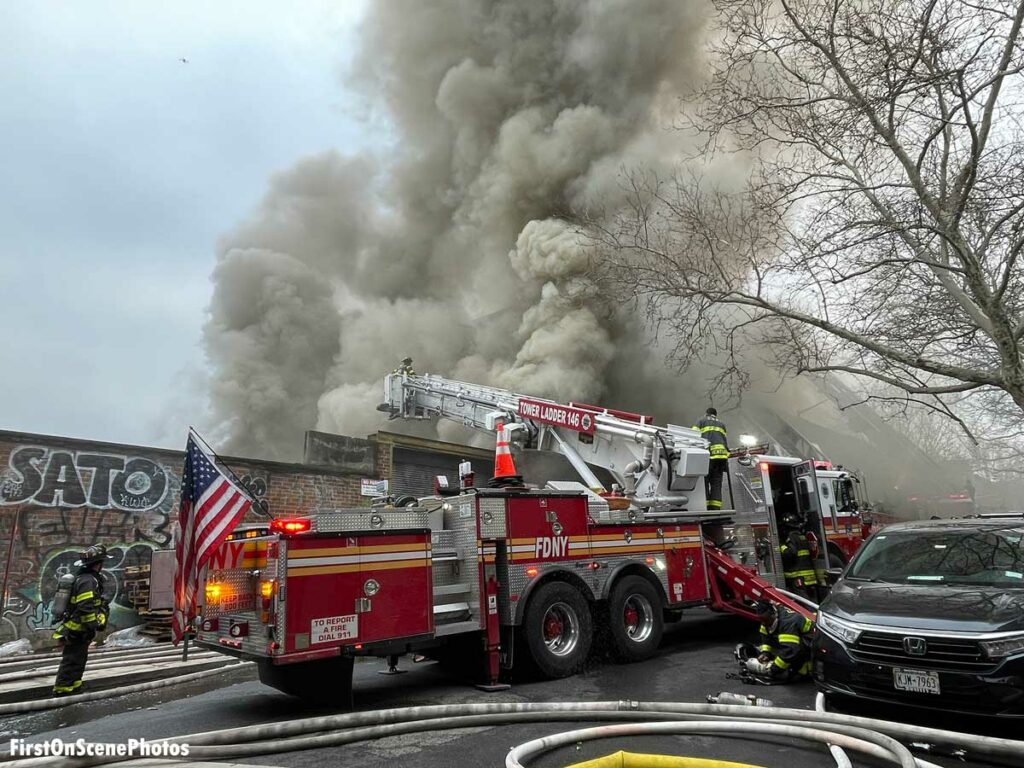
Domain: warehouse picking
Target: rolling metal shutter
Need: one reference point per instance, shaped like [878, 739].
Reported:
[414, 471]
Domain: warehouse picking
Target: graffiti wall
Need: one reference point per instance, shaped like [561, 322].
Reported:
[59, 496]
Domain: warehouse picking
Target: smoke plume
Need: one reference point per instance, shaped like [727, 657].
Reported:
[452, 247]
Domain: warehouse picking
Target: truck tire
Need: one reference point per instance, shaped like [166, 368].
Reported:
[326, 682]
[636, 622]
[558, 629]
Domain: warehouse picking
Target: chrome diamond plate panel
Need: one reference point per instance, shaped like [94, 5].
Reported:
[280, 566]
[442, 542]
[350, 520]
[460, 531]
[492, 518]
[236, 581]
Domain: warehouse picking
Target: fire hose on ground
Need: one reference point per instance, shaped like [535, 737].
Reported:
[876, 738]
[38, 705]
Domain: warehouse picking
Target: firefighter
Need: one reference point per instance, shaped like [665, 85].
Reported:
[713, 431]
[784, 654]
[797, 565]
[86, 614]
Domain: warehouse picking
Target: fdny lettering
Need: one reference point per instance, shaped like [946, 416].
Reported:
[552, 546]
[228, 555]
[559, 415]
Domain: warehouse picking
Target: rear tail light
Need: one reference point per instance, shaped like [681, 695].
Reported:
[266, 592]
[209, 625]
[291, 525]
[213, 592]
[241, 629]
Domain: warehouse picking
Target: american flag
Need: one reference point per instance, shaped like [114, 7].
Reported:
[211, 506]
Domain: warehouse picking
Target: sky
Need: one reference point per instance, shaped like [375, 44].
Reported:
[121, 165]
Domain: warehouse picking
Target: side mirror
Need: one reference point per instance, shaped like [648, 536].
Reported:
[832, 575]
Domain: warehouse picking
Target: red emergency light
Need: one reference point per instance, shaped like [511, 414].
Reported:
[820, 464]
[291, 525]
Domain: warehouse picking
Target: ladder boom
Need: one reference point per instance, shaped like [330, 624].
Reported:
[659, 469]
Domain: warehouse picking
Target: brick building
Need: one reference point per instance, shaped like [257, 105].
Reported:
[59, 495]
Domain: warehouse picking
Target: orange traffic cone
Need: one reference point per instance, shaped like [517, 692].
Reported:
[504, 468]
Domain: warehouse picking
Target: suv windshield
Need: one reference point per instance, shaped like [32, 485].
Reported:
[987, 556]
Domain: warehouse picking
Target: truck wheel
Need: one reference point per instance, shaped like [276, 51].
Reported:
[835, 561]
[326, 682]
[558, 629]
[635, 619]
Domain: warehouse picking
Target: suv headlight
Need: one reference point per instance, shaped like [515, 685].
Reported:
[837, 628]
[996, 649]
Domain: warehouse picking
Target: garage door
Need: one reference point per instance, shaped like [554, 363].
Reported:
[414, 471]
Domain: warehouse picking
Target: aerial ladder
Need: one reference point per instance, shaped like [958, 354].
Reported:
[657, 473]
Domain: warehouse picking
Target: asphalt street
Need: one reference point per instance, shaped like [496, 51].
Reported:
[694, 660]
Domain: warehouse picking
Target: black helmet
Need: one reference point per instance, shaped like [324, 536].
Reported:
[764, 608]
[97, 553]
[790, 520]
[712, 412]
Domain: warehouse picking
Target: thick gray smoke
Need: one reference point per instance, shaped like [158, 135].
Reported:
[452, 248]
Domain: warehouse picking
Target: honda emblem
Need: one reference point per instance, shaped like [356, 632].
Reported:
[915, 646]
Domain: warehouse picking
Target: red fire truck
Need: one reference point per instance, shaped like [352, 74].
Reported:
[511, 574]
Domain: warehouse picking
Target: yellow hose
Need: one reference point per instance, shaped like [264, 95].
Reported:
[631, 760]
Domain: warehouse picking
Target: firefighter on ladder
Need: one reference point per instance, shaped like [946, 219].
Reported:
[784, 653]
[83, 615]
[713, 431]
[797, 565]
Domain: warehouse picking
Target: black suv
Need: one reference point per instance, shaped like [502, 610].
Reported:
[930, 614]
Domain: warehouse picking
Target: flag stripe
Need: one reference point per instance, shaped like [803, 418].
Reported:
[211, 506]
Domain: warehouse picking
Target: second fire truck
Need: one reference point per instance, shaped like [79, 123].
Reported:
[514, 572]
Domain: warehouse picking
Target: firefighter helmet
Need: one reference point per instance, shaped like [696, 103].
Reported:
[764, 608]
[744, 651]
[790, 520]
[97, 553]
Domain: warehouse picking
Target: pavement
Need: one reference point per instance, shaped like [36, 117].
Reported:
[36, 682]
[693, 662]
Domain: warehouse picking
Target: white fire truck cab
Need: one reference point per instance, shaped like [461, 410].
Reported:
[488, 578]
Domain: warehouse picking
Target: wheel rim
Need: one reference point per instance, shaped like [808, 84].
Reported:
[638, 618]
[561, 629]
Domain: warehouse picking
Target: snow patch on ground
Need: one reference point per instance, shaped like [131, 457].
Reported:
[128, 638]
[15, 648]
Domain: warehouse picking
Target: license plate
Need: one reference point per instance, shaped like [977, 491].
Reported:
[915, 680]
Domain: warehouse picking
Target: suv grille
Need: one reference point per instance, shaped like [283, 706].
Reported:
[942, 652]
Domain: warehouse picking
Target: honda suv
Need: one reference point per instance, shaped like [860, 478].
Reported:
[929, 614]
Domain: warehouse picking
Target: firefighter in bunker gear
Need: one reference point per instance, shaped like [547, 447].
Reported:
[713, 432]
[797, 565]
[86, 614]
[784, 653]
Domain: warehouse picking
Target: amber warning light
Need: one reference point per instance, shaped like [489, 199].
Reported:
[291, 525]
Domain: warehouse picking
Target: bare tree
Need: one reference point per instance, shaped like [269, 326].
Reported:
[880, 231]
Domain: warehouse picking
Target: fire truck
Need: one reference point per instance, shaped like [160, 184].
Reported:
[513, 572]
[847, 515]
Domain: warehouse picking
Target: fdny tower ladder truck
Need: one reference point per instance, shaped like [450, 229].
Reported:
[517, 572]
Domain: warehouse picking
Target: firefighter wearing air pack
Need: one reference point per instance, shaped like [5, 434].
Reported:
[784, 653]
[82, 611]
[714, 433]
[797, 565]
